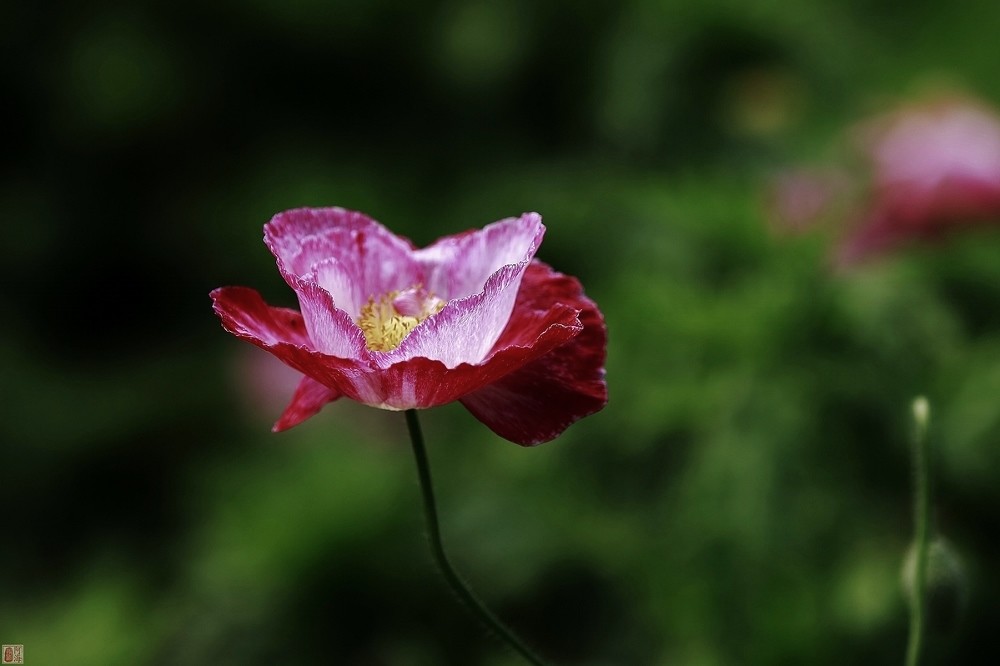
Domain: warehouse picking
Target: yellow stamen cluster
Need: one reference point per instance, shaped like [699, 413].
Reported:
[385, 327]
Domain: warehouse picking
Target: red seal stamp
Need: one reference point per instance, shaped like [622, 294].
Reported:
[12, 654]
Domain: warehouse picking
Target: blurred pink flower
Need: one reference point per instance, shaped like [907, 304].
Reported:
[262, 381]
[799, 199]
[935, 167]
[472, 317]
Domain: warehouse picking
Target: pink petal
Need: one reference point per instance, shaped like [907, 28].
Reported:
[459, 266]
[331, 330]
[309, 398]
[320, 326]
[481, 273]
[336, 279]
[538, 401]
[466, 329]
[370, 259]
[924, 145]
[936, 167]
[335, 260]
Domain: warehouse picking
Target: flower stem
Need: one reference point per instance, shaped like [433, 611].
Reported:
[437, 547]
[921, 509]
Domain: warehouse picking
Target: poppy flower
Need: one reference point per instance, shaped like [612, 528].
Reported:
[935, 168]
[473, 317]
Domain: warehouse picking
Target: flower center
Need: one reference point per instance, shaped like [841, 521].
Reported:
[389, 319]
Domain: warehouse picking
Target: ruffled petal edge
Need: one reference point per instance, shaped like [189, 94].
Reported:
[245, 314]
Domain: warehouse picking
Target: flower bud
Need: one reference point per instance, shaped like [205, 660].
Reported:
[921, 412]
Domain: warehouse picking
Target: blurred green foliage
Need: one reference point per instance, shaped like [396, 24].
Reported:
[743, 499]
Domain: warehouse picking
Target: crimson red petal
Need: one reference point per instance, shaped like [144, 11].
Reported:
[538, 401]
[414, 383]
[245, 314]
[309, 398]
[280, 331]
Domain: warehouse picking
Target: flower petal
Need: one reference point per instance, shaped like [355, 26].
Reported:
[283, 333]
[422, 382]
[512, 329]
[245, 314]
[309, 398]
[459, 266]
[903, 214]
[320, 325]
[538, 401]
[466, 329]
[331, 330]
[481, 273]
[922, 146]
[347, 253]
[936, 168]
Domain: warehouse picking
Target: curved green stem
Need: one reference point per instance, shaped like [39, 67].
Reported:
[437, 547]
[921, 510]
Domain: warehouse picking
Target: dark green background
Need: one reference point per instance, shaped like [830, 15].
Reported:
[743, 499]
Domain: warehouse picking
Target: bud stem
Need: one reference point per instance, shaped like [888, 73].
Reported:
[437, 547]
[921, 472]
